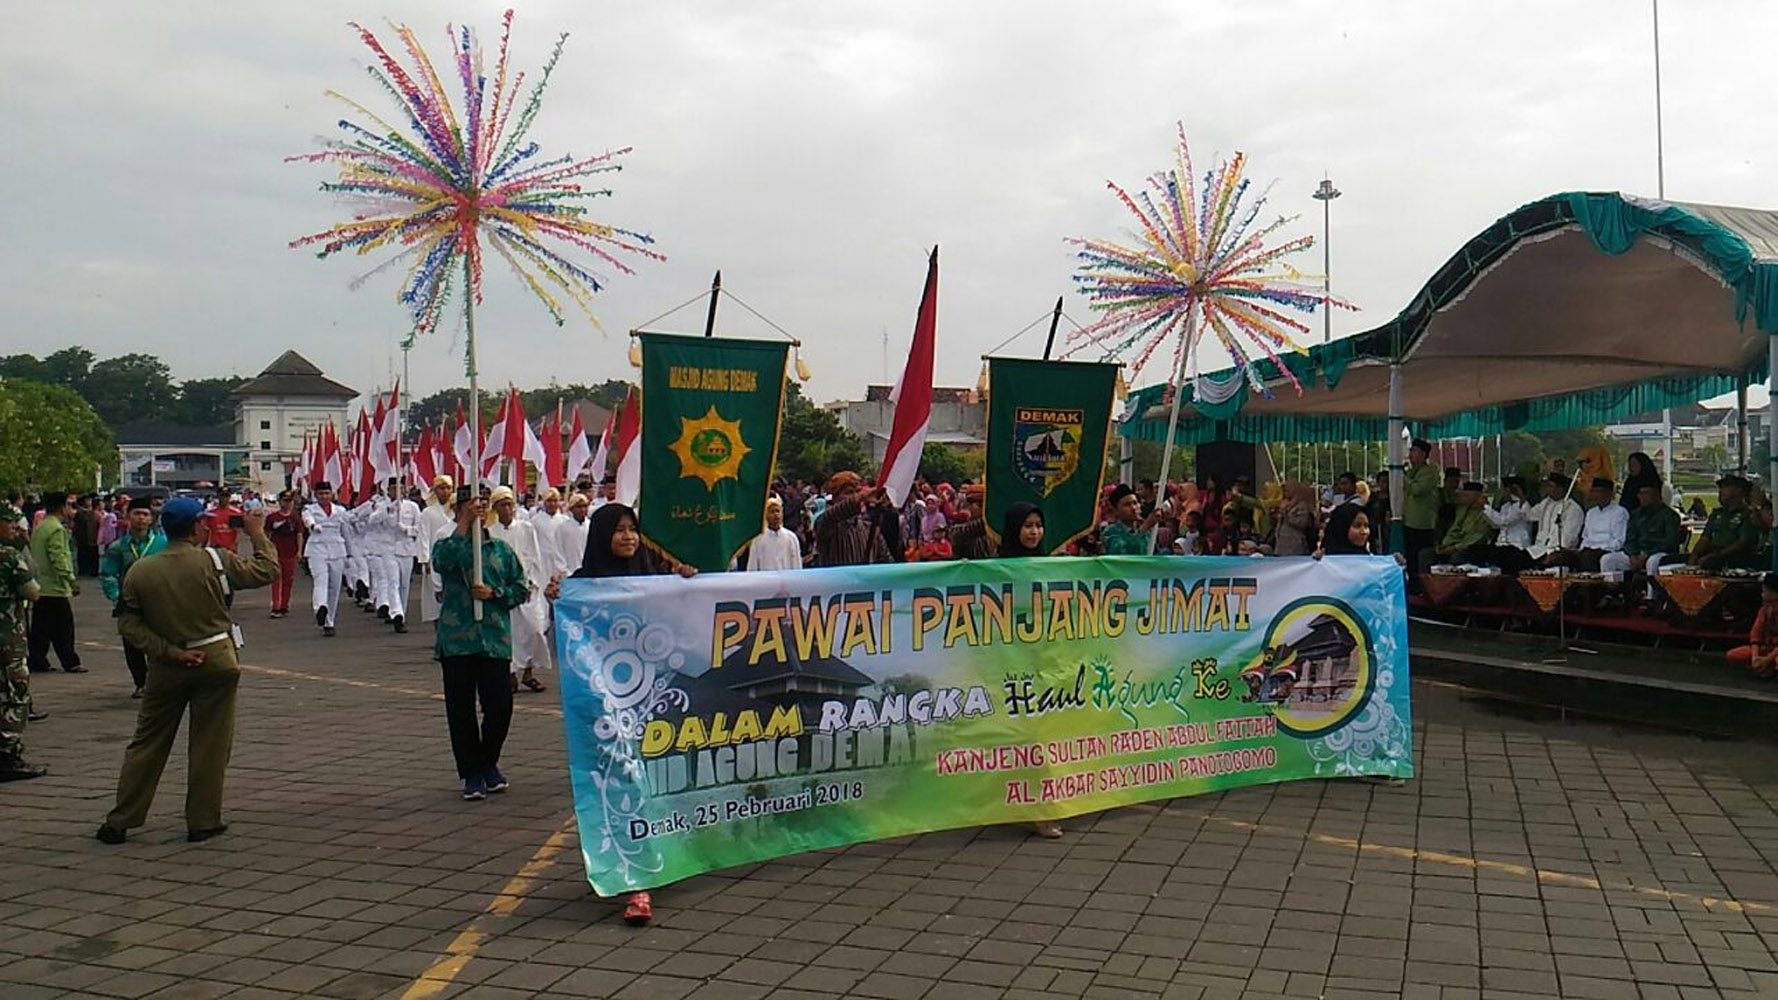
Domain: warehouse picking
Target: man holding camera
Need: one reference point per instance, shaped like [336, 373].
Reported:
[174, 609]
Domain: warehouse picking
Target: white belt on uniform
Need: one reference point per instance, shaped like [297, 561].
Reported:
[207, 640]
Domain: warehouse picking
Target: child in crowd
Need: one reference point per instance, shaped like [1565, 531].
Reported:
[1760, 655]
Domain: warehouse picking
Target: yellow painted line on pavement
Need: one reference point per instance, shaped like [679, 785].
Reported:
[518, 706]
[443, 972]
[1711, 903]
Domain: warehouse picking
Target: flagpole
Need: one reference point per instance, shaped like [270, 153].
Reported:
[1055, 318]
[710, 317]
[475, 429]
[1173, 419]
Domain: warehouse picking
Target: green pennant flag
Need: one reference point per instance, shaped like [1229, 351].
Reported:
[710, 410]
[1048, 424]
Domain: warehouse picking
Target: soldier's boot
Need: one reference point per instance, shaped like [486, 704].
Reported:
[17, 769]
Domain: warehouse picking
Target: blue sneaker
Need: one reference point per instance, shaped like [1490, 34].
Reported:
[494, 780]
[474, 789]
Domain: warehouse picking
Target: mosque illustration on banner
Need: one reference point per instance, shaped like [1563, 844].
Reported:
[1316, 670]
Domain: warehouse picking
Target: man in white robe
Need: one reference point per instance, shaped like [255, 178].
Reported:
[776, 547]
[548, 519]
[436, 521]
[571, 534]
[530, 621]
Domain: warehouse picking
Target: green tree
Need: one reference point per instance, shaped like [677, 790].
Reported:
[204, 402]
[71, 367]
[25, 366]
[129, 387]
[811, 443]
[50, 438]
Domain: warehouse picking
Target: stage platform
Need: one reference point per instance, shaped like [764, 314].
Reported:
[1691, 691]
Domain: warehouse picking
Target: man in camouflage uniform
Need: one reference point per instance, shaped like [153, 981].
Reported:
[16, 587]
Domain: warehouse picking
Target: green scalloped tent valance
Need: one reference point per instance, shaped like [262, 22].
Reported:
[1612, 222]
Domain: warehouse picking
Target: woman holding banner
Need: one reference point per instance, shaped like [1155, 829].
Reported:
[614, 548]
[1021, 537]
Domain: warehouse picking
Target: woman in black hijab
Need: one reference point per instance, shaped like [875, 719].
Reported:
[614, 548]
[1021, 531]
[1639, 471]
[1348, 532]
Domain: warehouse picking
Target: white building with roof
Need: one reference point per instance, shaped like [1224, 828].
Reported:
[274, 411]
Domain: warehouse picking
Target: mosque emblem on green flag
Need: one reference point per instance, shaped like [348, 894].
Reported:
[710, 448]
[1046, 448]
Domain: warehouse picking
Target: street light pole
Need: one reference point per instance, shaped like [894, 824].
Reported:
[1325, 194]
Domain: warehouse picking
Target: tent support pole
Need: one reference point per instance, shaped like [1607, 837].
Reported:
[1741, 425]
[1396, 454]
[1772, 416]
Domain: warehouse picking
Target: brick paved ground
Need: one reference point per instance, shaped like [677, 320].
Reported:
[1530, 859]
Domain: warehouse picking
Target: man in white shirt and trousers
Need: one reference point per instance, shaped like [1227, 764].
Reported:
[397, 521]
[776, 547]
[436, 521]
[326, 550]
[1605, 527]
[357, 569]
[530, 621]
[1512, 518]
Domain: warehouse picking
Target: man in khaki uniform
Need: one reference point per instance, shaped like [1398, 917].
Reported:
[175, 610]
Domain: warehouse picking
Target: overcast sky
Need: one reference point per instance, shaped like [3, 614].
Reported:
[813, 151]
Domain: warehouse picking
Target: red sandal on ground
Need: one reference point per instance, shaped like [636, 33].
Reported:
[638, 909]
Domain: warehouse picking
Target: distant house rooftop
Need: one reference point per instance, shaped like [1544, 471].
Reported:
[293, 375]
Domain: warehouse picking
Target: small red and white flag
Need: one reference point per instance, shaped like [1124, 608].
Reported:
[626, 444]
[552, 469]
[602, 456]
[913, 397]
[420, 468]
[462, 447]
[332, 468]
[579, 454]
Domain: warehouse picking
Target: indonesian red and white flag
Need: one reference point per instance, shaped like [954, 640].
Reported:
[535, 451]
[602, 455]
[365, 480]
[299, 473]
[333, 471]
[913, 397]
[375, 445]
[579, 454]
[627, 443]
[551, 468]
[462, 447]
[441, 450]
[493, 445]
[420, 467]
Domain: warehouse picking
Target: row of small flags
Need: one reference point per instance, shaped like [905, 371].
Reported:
[510, 444]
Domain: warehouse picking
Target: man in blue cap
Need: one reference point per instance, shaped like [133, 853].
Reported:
[174, 608]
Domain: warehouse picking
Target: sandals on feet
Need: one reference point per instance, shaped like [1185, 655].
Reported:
[534, 684]
[638, 909]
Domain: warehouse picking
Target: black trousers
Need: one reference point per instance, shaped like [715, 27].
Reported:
[1414, 542]
[86, 560]
[52, 624]
[477, 747]
[137, 661]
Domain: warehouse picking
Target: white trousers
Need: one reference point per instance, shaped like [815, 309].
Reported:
[326, 574]
[530, 633]
[356, 571]
[1618, 562]
[429, 594]
[397, 576]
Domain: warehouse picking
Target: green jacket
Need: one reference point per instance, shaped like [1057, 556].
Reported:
[1730, 525]
[1653, 530]
[1469, 526]
[1118, 540]
[459, 634]
[52, 558]
[1421, 492]
[121, 555]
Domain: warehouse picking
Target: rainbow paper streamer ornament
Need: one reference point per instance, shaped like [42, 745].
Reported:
[450, 181]
[1201, 264]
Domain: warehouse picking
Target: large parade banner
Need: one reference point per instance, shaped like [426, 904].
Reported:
[735, 717]
[710, 409]
[1048, 424]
